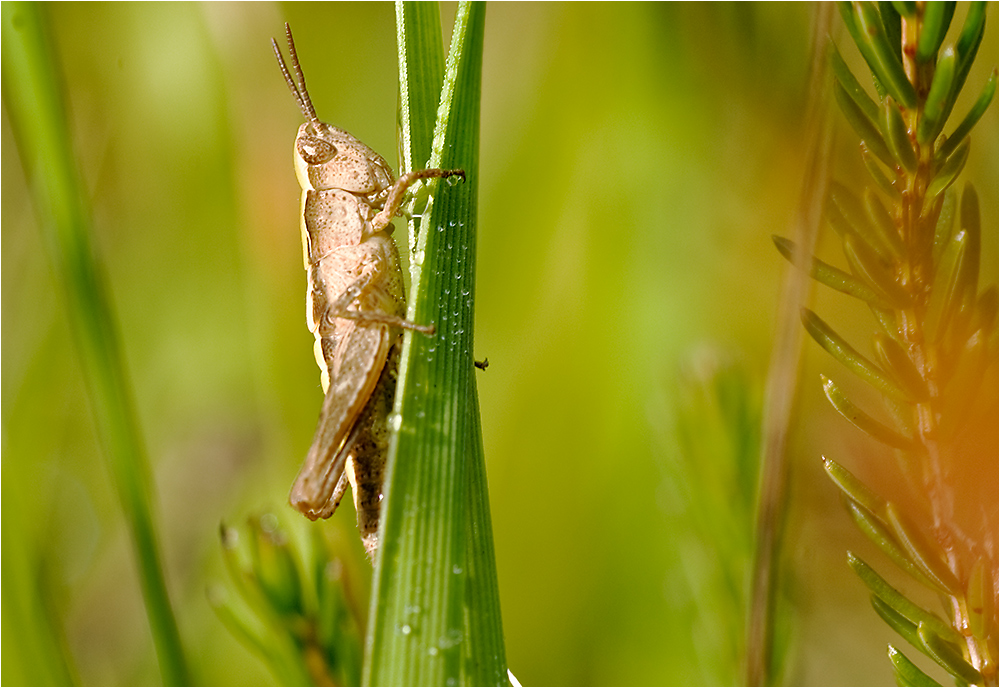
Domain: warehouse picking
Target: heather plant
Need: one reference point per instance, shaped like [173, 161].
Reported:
[911, 240]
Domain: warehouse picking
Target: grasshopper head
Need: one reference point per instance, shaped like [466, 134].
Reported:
[327, 157]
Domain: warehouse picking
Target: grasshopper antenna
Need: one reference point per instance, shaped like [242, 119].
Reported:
[298, 89]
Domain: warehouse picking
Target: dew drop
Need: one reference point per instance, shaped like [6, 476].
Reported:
[405, 629]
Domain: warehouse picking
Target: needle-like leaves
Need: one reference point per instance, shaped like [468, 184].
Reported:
[939, 100]
[946, 292]
[979, 598]
[945, 223]
[949, 171]
[906, 629]
[862, 420]
[886, 64]
[864, 127]
[896, 135]
[866, 265]
[908, 673]
[878, 175]
[968, 279]
[931, 351]
[876, 530]
[978, 108]
[921, 551]
[895, 361]
[898, 602]
[848, 355]
[883, 224]
[948, 656]
[937, 18]
[854, 219]
[968, 42]
[831, 276]
[853, 488]
[845, 77]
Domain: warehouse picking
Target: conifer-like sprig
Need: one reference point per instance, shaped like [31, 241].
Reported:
[912, 243]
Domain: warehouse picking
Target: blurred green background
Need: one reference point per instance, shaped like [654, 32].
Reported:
[635, 161]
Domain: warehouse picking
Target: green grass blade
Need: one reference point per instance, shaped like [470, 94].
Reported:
[429, 596]
[33, 96]
[486, 665]
[421, 73]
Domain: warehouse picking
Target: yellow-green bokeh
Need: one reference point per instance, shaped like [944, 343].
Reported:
[635, 160]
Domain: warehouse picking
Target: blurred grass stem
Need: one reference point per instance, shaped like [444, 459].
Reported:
[32, 93]
[782, 379]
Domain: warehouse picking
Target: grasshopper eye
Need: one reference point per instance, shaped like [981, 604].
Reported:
[315, 151]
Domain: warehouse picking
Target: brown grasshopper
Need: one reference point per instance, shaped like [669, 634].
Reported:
[354, 307]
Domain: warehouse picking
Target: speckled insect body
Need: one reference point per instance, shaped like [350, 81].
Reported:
[354, 308]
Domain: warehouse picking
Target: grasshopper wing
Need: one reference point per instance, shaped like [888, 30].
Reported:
[359, 360]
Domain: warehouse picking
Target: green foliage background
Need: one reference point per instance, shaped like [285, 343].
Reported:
[635, 160]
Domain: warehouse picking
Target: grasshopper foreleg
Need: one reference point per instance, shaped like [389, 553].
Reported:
[398, 192]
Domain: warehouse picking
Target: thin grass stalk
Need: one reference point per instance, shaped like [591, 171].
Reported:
[34, 98]
[782, 382]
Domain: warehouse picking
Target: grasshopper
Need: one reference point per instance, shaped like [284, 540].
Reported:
[354, 307]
